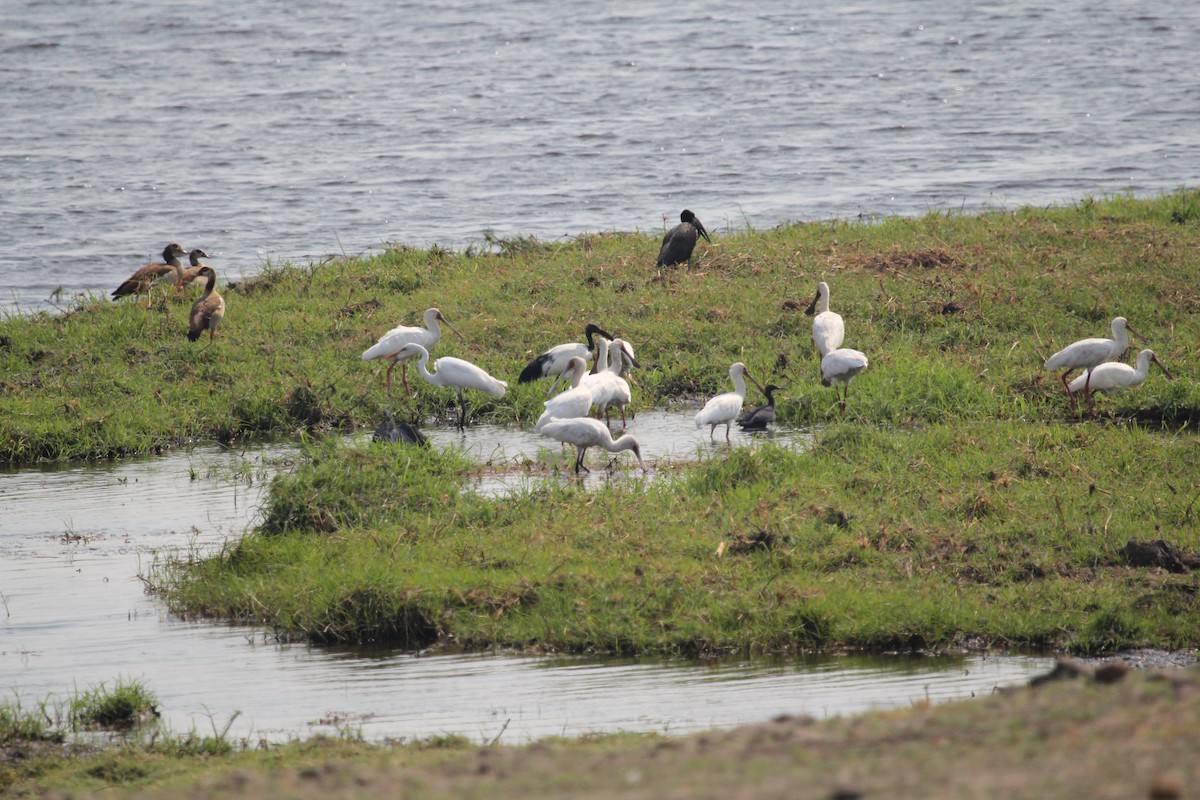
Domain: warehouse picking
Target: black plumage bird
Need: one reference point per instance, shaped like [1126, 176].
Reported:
[759, 418]
[392, 431]
[678, 243]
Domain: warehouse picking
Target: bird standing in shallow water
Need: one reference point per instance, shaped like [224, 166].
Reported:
[143, 279]
[209, 310]
[585, 432]
[1113, 376]
[574, 402]
[678, 243]
[392, 431]
[390, 346]
[839, 367]
[724, 408]
[554, 361]
[758, 418]
[1088, 353]
[828, 330]
[454, 373]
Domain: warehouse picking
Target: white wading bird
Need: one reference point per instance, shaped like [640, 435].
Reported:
[554, 361]
[724, 408]
[839, 367]
[574, 402]
[391, 344]
[455, 373]
[1113, 376]
[1087, 353]
[585, 432]
[828, 330]
[607, 386]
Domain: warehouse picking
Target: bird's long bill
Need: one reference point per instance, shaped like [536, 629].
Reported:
[701, 231]
[1141, 338]
[753, 380]
[630, 356]
[1166, 371]
[444, 321]
[812, 307]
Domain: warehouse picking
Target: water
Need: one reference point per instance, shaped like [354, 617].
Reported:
[291, 130]
[74, 540]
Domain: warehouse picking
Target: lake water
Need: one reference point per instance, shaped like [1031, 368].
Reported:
[75, 538]
[264, 130]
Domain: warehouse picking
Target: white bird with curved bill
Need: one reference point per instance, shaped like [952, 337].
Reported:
[1113, 376]
[574, 402]
[454, 373]
[724, 408]
[585, 432]
[839, 367]
[555, 360]
[1088, 353]
[391, 344]
[828, 329]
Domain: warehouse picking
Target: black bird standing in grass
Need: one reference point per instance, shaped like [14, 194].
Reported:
[759, 418]
[678, 243]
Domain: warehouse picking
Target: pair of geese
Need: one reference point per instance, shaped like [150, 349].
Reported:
[206, 313]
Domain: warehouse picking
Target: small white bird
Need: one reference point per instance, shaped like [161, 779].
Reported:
[828, 330]
[455, 373]
[1113, 376]
[585, 432]
[574, 402]
[839, 367]
[1087, 353]
[606, 385]
[724, 408]
[391, 344]
[554, 361]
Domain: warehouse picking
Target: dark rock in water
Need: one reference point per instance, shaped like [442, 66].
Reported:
[1160, 553]
[392, 431]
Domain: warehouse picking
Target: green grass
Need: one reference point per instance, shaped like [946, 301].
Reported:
[127, 704]
[955, 312]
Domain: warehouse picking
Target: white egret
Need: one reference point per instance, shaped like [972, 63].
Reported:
[724, 408]
[839, 367]
[554, 361]
[574, 402]
[607, 387]
[1113, 376]
[391, 344]
[1087, 353]
[828, 330]
[585, 432]
[454, 373]
[209, 310]
[678, 243]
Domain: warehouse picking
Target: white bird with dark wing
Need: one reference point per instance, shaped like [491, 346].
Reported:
[1089, 353]
[554, 361]
[839, 367]
[454, 373]
[678, 243]
[390, 346]
[1113, 376]
[724, 408]
[585, 432]
[828, 330]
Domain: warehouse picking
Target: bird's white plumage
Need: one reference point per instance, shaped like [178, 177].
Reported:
[606, 385]
[574, 402]
[828, 329]
[390, 346]
[838, 368]
[1113, 376]
[456, 374]
[724, 408]
[585, 432]
[1087, 353]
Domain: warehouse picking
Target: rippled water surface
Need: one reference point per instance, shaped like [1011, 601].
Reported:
[263, 130]
[74, 541]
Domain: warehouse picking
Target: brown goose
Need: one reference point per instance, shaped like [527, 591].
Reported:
[191, 275]
[139, 283]
[207, 312]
